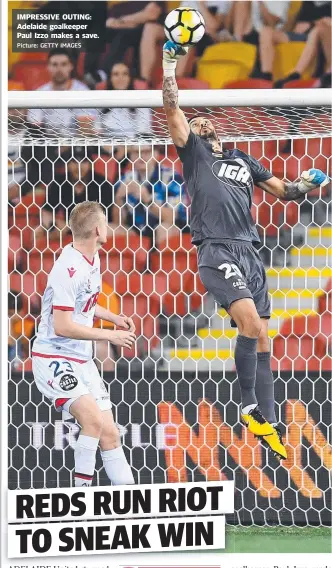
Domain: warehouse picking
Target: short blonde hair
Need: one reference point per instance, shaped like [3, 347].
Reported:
[84, 218]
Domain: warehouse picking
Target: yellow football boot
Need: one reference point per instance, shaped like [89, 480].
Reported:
[256, 423]
[275, 444]
[269, 436]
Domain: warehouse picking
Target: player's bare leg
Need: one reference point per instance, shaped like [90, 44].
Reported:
[268, 38]
[264, 387]
[249, 324]
[89, 416]
[98, 427]
[114, 460]
[241, 19]
[152, 35]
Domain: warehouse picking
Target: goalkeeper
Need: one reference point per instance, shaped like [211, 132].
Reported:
[220, 183]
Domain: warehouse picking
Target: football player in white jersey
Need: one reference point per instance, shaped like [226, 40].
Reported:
[62, 352]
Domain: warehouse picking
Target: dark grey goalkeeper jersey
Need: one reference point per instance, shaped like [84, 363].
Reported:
[220, 186]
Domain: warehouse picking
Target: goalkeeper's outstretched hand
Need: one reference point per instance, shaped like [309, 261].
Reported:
[171, 54]
[173, 51]
[314, 178]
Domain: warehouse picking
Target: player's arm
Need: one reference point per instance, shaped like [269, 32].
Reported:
[290, 191]
[64, 326]
[120, 321]
[66, 289]
[177, 122]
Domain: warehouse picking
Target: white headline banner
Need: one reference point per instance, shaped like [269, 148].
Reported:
[102, 537]
[159, 500]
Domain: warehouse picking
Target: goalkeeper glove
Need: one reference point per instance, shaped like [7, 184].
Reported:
[171, 53]
[312, 178]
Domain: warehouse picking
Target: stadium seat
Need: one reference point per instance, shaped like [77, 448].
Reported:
[260, 149]
[172, 4]
[188, 83]
[108, 300]
[32, 75]
[324, 303]
[175, 266]
[121, 256]
[312, 147]
[101, 86]
[310, 153]
[15, 85]
[15, 250]
[250, 122]
[273, 215]
[191, 83]
[136, 295]
[106, 166]
[249, 84]
[144, 309]
[300, 84]
[268, 213]
[225, 62]
[139, 85]
[303, 340]
[80, 65]
[294, 8]
[35, 56]
[26, 215]
[286, 58]
[305, 353]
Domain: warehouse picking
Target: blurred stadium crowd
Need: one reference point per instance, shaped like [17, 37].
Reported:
[251, 44]
[149, 264]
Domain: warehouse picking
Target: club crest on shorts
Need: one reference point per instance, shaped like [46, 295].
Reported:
[68, 382]
[239, 284]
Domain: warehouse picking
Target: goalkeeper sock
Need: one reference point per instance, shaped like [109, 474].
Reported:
[265, 387]
[246, 364]
[116, 466]
[85, 460]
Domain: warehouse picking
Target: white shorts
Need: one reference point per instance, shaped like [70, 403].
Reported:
[62, 381]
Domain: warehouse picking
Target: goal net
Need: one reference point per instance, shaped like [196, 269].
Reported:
[174, 394]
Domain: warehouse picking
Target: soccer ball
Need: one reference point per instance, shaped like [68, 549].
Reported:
[184, 26]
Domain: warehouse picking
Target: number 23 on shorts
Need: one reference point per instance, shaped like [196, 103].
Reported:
[60, 367]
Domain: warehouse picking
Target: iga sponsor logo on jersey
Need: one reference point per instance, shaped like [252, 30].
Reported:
[230, 172]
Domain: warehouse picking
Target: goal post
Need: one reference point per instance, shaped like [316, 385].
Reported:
[238, 115]
[174, 394]
[153, 98]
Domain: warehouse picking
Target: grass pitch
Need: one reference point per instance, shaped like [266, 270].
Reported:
[278, 539]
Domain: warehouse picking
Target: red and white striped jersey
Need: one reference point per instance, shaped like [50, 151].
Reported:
[73, 285]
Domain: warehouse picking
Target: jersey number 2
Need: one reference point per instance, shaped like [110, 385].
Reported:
[230, 270]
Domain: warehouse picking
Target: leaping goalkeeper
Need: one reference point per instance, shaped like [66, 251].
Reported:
[220, 183]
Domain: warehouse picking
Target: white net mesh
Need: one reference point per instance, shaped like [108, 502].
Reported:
[114, 125]
[174, 394]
